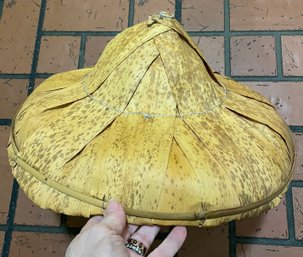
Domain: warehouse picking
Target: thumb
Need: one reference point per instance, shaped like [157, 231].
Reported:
[115, 217]
[91, 222]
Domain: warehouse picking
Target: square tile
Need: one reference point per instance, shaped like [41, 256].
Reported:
[13, 94]
[18, 28]
[94, 48]
[58, 54]
[6, 180]
[266, 15]
[285, 96]
[292, 49]
[89, 15]
[203, 15]
[27, 244]
[144, 8]
[272, 224]
[298, 212]
[213, 50]
[203, 242]
[253, 56]
[27, 213]
[299, 156]
[250, 250]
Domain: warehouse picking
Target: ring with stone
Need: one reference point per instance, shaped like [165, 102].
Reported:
[136, 246]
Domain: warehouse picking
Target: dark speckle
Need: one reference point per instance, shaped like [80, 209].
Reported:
[142, 2]
[11, 3]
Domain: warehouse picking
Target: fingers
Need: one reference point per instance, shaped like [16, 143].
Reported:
[115, 217]
[129, 230]
[115, 220]
[171, 244]
[145, 235]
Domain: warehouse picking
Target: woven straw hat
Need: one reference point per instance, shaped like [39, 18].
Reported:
[153, 127]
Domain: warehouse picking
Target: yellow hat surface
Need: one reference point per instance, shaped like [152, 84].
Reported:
[153, 127]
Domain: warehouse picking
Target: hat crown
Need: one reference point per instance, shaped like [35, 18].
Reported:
[159, 42]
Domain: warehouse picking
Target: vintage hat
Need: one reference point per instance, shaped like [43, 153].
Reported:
[152, 126]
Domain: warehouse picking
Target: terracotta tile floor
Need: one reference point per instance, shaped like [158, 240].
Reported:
[257, 42]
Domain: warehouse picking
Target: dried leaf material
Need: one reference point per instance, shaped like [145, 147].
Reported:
[194, 94]
[153, 127]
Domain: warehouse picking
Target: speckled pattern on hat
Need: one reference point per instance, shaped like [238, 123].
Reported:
[257, 42]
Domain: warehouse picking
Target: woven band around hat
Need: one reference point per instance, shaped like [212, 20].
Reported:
[140, 213]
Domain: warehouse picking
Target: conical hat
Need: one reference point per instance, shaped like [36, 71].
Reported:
[153, 127]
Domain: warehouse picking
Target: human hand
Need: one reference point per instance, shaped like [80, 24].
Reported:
[106, 237]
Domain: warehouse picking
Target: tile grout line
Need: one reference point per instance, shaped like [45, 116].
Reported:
[269, 241]
[247, 33]
[279, 59]
[269, 78]
[80, 33]
[14, 76]
[178, 10]
[1, 7]
[5, 122]
[266, 32]
[227, 64]
[81, 59]
[37, 47]
[232, 239]
[296, 183]
[227, 70]
[10, 220]
[62, 229]
[131, 14]
[296, 129]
